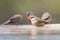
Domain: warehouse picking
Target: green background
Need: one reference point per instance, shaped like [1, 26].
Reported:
[9, 8]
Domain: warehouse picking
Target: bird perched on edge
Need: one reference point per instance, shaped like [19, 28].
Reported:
[38, 22]
[13, 20]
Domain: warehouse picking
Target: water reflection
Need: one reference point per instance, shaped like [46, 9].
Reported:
[45, 36]
[33, 33]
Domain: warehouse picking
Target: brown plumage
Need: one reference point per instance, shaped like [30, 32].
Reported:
[13, 20]
[47, 17]
[36, 21]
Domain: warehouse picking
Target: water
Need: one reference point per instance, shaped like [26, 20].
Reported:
[28, 37]
[14, 37]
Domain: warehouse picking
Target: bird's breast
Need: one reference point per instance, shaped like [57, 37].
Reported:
[36, 22]
[33, 20]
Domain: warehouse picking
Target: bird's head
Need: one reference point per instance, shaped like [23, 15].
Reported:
[30, 15]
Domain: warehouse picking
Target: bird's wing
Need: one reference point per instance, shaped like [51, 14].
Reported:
[13, 19]
[47, 17]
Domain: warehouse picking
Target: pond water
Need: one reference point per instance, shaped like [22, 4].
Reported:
[26, 37]
[29, 37]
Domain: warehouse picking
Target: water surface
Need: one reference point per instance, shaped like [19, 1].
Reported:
[29, 37]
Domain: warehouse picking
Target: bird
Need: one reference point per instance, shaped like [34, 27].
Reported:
[13, 20]
[37, 21]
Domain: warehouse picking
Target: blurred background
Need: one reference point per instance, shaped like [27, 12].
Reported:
[9, 8]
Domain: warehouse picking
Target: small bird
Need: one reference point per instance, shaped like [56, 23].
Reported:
[38, 22]
[13, 20]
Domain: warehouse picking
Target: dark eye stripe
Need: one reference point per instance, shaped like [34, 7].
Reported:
[28, 14]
